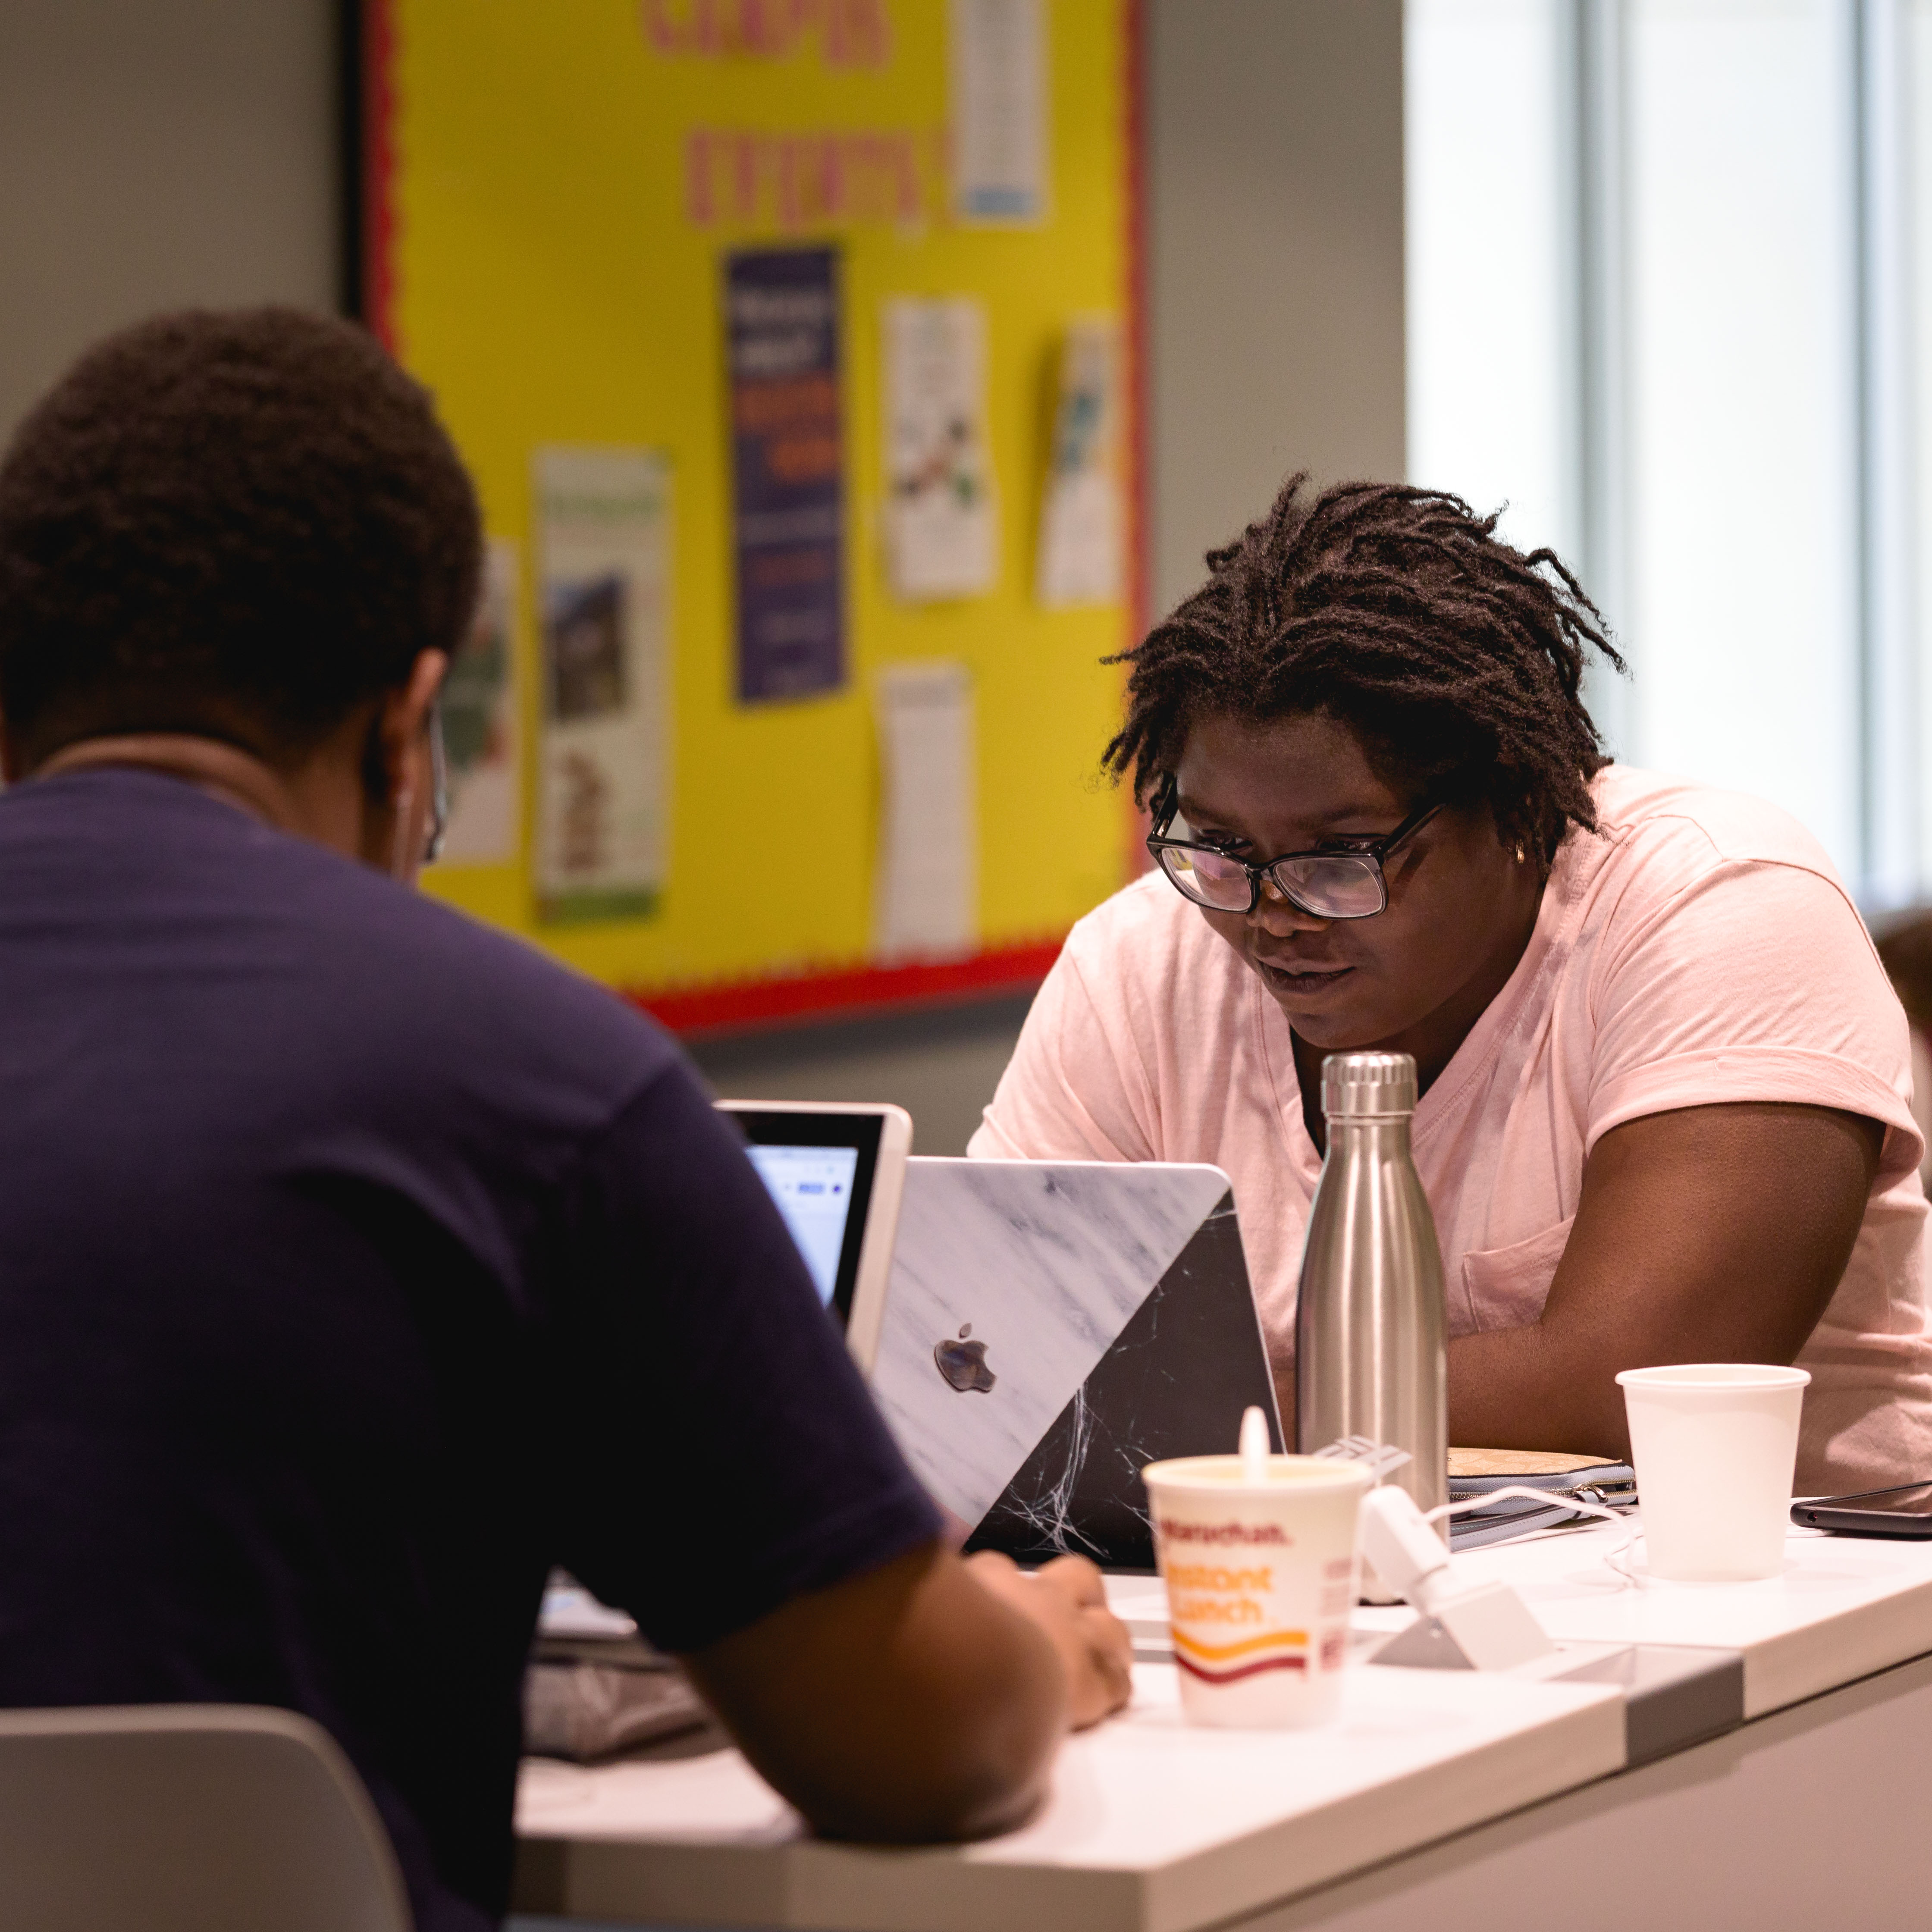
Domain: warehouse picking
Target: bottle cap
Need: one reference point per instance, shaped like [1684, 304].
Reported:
[1357, 1086]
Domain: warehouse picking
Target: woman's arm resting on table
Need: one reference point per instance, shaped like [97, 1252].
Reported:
[923, 1700]
[1708, 1234]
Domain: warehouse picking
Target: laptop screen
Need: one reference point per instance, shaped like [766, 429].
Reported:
[813, 1188]
[818, 1169]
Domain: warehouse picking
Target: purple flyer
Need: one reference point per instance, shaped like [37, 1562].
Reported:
[788, 467]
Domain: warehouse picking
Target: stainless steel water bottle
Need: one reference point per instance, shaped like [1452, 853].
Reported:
[1370, 1359]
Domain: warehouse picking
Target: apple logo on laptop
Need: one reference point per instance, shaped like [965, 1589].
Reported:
[963, 1364]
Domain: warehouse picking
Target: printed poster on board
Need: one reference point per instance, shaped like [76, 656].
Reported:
[481, 715]
[603, 520]
[1080, 515]
[788, 471]
[926, 890]
[944, 537]
[997, 73]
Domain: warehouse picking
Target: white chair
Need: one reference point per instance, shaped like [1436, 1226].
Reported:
[187, 1818]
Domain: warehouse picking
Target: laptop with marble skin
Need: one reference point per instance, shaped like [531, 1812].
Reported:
[1049, 1327]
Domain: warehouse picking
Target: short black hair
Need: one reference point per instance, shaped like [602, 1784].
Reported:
[1456, 659]
[242, 523]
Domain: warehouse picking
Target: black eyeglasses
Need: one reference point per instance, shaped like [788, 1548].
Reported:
[1325, 885]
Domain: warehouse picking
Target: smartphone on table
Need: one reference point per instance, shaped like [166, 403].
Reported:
[1904, 1511]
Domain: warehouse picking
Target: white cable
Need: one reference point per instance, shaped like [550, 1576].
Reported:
[1550, 1499]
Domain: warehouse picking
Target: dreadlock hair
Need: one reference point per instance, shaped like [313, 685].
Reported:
[1456, 659]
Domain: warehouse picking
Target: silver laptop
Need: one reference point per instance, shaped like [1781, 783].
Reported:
[1050, 1327]
[834, 1171]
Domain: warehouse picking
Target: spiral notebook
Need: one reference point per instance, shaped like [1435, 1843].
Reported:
[1473, 1472]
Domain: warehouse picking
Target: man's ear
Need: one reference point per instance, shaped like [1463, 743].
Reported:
[401, 717]
[395, 771]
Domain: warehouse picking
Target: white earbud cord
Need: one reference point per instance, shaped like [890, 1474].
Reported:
[1550, 1500]
[399, 846]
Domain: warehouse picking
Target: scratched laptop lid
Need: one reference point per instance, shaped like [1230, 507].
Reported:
[1052, 1325]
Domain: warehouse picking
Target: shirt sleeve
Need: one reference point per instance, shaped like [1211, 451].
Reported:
[719, 1453]
[1755, 981]
[1073, 1091]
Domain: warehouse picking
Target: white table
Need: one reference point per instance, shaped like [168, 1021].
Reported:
[1440, 1799]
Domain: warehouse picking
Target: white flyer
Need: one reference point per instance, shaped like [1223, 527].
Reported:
[927, 891]
[997, 73]
[942, 534]
[1081, 514]
[482, 705]
[604, 524]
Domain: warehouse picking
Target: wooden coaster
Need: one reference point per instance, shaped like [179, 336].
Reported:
[1520, 1463]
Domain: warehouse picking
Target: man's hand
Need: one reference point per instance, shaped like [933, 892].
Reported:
[923, 1699]
[1068, 1600]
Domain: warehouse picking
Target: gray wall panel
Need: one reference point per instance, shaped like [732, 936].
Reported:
[1274, 260]
[155, 154]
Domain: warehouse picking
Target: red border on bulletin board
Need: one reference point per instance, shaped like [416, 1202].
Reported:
[775, 1001]
[757, 1005]
[378, 168]
[1136, 484]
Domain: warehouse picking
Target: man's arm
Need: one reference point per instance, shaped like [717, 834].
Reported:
[922, 1700]
[1709, 1234]
[887, 1689]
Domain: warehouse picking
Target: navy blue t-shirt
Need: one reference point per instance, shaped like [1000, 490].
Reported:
[357, 1265]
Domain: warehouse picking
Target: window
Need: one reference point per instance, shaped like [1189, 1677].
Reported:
[1670, 295]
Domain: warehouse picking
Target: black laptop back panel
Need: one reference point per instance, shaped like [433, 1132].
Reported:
[1175, 1382]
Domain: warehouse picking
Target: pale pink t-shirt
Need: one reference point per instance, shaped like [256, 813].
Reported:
[1701, 948]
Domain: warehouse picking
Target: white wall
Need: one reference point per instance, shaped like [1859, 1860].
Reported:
[155, 154]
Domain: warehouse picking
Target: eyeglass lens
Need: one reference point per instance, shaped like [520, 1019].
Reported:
[1208, 877]
[1338, 887]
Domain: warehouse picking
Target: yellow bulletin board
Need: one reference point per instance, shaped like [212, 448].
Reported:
[551, 189]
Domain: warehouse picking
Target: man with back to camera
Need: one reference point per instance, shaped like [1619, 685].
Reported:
[357, 1264]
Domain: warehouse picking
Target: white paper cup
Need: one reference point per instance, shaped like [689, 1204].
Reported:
[1261, 1579]
[1714, 1444]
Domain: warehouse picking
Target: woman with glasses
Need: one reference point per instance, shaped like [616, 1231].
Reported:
[1665, 1087]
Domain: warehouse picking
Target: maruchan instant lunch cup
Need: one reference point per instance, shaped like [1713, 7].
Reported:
[1261, 1578]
